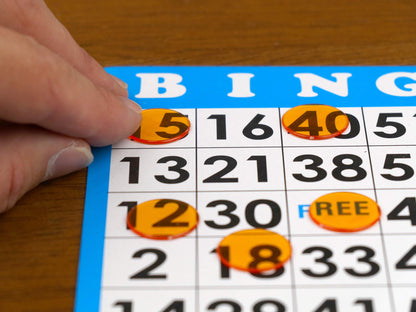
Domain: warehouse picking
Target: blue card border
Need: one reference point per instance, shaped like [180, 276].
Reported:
[88, 291]
[93, 232]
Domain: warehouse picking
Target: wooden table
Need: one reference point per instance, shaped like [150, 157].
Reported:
[40, 237]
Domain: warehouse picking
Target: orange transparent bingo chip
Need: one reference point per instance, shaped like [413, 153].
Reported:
[255, 250]
[315, 121]
[160, 126]
[162, 219]
[344, 212]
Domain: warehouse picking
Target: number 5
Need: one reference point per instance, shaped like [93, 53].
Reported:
[390, 164]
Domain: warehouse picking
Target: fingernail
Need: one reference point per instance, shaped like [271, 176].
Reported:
[120, 82]
[72, 158]
[134, 120]
[132, 105]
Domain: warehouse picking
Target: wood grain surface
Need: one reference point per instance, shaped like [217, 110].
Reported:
[39, 238]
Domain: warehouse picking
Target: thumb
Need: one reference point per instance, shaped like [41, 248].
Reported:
[30, 155]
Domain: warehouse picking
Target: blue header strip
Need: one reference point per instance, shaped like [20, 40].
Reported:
[207, 87]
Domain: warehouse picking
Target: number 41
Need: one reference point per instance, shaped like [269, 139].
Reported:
[175, 306]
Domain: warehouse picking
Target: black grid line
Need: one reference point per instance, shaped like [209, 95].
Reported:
[197, 286]
[292, 266]
[383, 243]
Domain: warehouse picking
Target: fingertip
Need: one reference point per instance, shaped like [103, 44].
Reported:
[120, 82]
[135, 107]
[31, 155]
[113, 84]
[134, 113]
[123, 120]
[120, 88]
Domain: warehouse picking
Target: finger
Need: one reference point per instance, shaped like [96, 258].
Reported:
[30, 155]
[33, 18]
[39, 87]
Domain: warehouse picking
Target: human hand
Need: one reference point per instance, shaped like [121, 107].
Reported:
[55, 101]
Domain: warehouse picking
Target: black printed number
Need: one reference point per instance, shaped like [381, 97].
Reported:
[312, 120]
[254, 130]
[326, 254]
[354, 128]
[314, 166]
[180, 163]
[231, 164]
[342, 162]
[134, 164]
[168, 221]
[254, 126]
[130, 205]
[256, 253]
[221, 126]
[391, 163]
[383, 122]
[165, 222]
[233, 219]
[175, 306]
[146, 273]
[260, 306]
[311, 117]
[257, 258]
[313, 128]
[403, 263]
[127, 306]
[218, 177]
[331, 305]
[397, 212]
[178, 167]
[366, 258]
[168, 122]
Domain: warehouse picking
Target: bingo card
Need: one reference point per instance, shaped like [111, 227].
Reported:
[242, 170]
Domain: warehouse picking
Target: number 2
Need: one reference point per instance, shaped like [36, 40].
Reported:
[168, 221]
[145, 273]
